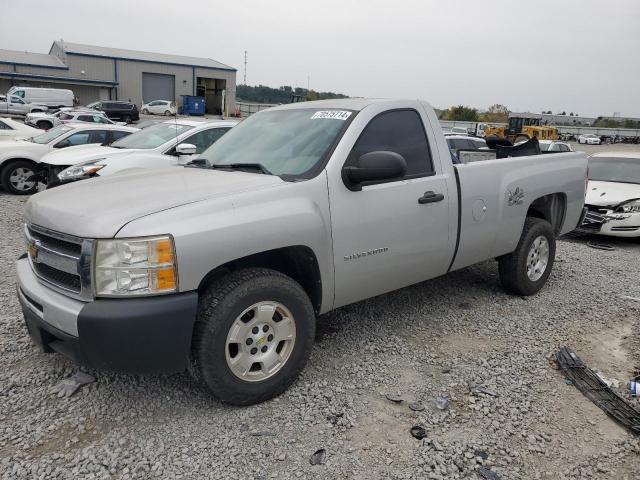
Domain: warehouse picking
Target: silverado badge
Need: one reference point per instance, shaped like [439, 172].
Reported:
[515, 197]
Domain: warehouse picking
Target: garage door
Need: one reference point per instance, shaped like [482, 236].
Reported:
[156, 86]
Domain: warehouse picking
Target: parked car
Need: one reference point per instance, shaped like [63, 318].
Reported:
[554, 146]
[464, 142]
[223, 266]
[45, 121]
[613, 195]
[14, 105]
[589, 139]
[154, 159]
[159, 107]
[53, 98]
[116, 110]
[11, 129]
[20, 159]
[166, 139]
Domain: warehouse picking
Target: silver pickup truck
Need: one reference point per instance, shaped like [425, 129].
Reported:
[222, 266]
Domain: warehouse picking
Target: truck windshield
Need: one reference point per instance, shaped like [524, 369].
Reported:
[614, 170]
[283, 142]
[152, 137]
[51, 134]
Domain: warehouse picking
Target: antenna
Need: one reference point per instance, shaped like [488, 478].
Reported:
[245, 68]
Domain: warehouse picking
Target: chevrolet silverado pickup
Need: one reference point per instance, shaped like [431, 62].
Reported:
[222, 266]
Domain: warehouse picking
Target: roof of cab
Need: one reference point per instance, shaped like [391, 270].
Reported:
[356, 104]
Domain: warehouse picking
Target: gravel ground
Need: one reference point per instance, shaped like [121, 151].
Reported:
[459, 335]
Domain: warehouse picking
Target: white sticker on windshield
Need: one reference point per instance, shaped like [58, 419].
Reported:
[335, 114]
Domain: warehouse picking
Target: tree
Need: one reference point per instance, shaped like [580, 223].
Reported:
[496, 113]
[462, 113]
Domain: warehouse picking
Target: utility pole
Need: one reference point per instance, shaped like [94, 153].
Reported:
[245, 68]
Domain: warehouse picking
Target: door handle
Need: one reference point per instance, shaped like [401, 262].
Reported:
[430, 197]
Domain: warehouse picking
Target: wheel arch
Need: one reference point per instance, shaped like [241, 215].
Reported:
[552, 208]
[7, 161]
[298, 262]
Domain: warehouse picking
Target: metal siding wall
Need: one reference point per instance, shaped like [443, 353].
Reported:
[94, 68]
[130, 78]
[227, 75]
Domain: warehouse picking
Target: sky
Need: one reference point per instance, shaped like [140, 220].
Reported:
[578, 56]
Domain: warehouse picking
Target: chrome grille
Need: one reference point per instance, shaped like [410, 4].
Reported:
[61, 261]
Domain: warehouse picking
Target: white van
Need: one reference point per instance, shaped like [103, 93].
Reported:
[50, 97]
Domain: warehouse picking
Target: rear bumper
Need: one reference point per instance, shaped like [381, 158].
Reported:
[142, 335]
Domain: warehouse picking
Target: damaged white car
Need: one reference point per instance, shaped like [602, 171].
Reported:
[613, 195]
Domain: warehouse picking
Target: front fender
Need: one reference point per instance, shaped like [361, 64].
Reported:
[213, 232]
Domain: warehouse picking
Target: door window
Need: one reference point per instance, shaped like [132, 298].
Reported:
[85, 118]
[4, 126]
[117, 135]
[204, 139]
[15, 99]
[100, 119]
[98, 136]
[80, 138]
[399, 131]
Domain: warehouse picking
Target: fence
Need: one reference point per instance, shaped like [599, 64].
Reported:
[247, 109]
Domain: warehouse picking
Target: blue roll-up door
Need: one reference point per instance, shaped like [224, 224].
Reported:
[158, 86]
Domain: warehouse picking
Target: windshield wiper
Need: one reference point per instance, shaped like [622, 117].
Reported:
[244, 166]
[197, 163]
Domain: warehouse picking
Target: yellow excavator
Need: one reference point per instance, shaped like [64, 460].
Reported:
[522, 127]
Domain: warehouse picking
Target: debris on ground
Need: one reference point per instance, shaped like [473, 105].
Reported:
[318, 457]
[442, 402]
[596, 390]
[416, 406]
[69, 386]
[488, 474]
[393, 397]
[601, 246]
[418, 432]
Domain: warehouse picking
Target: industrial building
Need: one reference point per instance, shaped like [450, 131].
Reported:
[102, 73]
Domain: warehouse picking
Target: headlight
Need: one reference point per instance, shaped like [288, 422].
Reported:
[135, 266]
[76, 172]
[632, 206]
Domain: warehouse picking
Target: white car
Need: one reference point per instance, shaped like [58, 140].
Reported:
[12, 130]
[589, 139]
[159, 107]
[45, 121]
[20, 159]
[164, 144]
[554, 146]
[613, 195]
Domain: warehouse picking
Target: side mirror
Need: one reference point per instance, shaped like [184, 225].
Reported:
[186, 149]
[62, 144]
[374, 167]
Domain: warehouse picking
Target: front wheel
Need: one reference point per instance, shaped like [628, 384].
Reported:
[19, 178]
[145, 111]
[126, 119]
[527, 268]
[253, 335]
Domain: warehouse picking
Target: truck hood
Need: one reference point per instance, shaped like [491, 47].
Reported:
[98, 208]
[81, 153]
[610, 194]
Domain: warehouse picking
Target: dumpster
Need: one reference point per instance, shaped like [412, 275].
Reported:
[192, 105]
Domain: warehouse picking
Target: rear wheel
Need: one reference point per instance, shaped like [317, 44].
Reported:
[167, 113]
[126, 119]
[19, 178]
[526, 270]
[145, 111]
[253, 335]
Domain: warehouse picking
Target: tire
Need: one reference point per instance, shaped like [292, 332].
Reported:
[126, 119]
[167, 113]
[145, 111]
[517, 275]
[14, 178]
[227, 306]
[43, 125]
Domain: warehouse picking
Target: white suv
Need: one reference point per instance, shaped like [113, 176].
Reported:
[45, 120]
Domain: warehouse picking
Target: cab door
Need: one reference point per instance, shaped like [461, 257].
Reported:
[393, 233]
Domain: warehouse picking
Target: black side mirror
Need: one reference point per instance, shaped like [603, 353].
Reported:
[374, 167]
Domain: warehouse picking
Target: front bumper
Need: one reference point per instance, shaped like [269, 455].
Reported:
[601, 221]
[139, 335]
